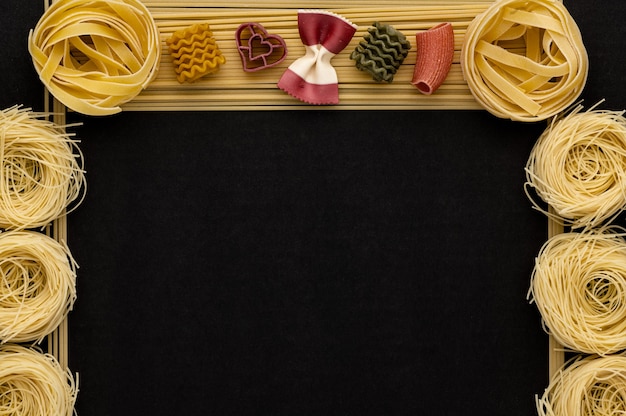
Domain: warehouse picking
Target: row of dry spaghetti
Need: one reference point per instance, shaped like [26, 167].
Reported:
[95, 56]
[41, 180]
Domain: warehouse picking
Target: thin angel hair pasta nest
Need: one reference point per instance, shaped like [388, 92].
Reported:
[37, 286]
[33, 383]
[42, 175]
[579, 286]
[578, 167]
[586, 386]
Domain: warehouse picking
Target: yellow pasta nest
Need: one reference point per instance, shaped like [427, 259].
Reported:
[524, 59]
[95, 55]
[35, 383]
[194, 53]
[586, 386]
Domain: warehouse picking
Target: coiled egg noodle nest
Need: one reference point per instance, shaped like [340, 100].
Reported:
[578, 167]
[41, 173]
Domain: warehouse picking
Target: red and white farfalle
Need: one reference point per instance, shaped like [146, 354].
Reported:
[312, 78]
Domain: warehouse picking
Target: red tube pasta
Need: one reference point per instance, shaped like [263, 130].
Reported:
[435, 49]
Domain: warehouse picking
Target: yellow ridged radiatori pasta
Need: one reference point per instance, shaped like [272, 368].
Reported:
[94, 55]
[524, 59]
[578, 166]
[587, 386]
[579, 286]
[33, 383]
[194, 52]
[42, 175]
[38, 286]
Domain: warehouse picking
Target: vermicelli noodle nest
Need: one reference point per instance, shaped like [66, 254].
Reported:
[578, 167]
[37, 285]
[587, 386]
[579, 286]
[34, 384]
[41, 173]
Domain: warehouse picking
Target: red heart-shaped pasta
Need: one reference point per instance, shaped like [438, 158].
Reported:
[259, 49]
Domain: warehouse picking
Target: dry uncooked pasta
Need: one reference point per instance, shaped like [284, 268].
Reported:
[435, 53]
[524, 59]
[34, 384]
[94, 55]
[37, 286]
[587, 386]
[579, 286]
[42, 175]
[578, 166]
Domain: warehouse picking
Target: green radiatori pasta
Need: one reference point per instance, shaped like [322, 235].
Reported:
[37, 286]
[579, 286]
[381, 52]
[33, 383]
[578, 167]
[42, 175]
[587, 386]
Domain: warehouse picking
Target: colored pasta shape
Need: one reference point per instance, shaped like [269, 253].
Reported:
[381, 52]
[194, 53]
[33, 383]
[578, 166]
[524, 60]
[435, 51]
[312, 78]
[579, 286]
[586, 386]
[41, 176]
[257, 48]
[95, 55]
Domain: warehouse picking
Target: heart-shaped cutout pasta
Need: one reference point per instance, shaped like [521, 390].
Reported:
[259, 49]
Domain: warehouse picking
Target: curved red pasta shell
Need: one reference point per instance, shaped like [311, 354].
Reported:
[435, 50]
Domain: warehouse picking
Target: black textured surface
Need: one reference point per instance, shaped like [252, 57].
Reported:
[310, 262]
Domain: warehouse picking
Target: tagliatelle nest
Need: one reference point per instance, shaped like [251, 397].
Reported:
[524, 59]
[195, 53]
[95, 55]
